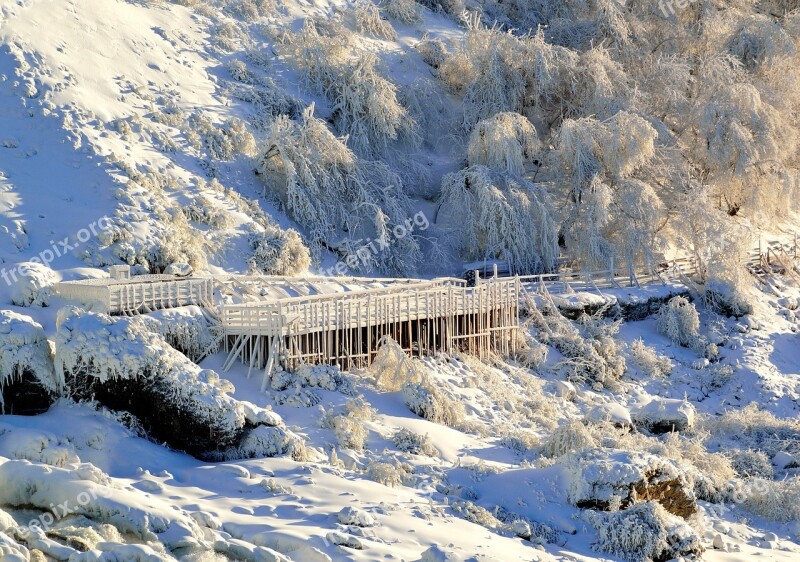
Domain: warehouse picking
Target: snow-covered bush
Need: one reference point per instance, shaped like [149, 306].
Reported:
[265, 441]
[327, 189]
[592, 355]
[493, 215]
[679, 321]
[430, 403]
[404, 11]
[726, 297]
[369, 21]
[367, 108]
[392, 474]
[489, 71]
[775, 500]
[188, 330]
[506, 142]
[326, 377]
[279, 252]
[415, 443]
[432, 51]
[649, 361]
[31, 284]
[752, 428]
[450, 7]
[348, 426]
[749, 464]
[643, 533]
[392, 368]
[568, 438]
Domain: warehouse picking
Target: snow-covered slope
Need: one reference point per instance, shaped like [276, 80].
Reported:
[130, 132]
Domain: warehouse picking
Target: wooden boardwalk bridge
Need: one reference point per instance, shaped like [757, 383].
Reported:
[345, 328]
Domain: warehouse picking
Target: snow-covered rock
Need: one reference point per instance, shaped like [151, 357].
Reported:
[125, 366]
[355, 516]
[28, 383]
[178, 268]
[343, 539]
[610, 412]
[597, 477]
[662, 415]
[31, 284]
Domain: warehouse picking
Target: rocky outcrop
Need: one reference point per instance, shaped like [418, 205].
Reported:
[28, 384]
[124, 365]
[662, 415]
[600, 477]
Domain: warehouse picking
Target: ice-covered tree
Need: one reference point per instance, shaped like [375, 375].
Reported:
[496, 215]
[335, 195]
[608, 212]
[364, 104]
[506, 142]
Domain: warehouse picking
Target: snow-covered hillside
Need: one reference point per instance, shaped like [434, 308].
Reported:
[402, 138]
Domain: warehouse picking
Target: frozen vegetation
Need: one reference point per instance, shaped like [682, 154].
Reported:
[403, 137]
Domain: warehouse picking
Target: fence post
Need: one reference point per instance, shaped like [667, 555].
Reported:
[494, 270]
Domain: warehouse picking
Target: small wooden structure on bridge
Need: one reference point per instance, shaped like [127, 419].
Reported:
[345, 328]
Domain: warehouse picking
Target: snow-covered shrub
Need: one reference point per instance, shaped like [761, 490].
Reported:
[279, 252]
[27, 377]
[649, 361]
[369, 21]
[430, 403]
[523, 443]
[643, 533]
[451, 7]
[775, 500]
[367, 108]
[726, 297]
[568, 438]
[475, 514]
[417, 444]
[251, 10]
[348, 426]
[188, 330]
[592, 355]
[404, 11]
[31, 284]
[494, 215]
[225, 141]
[752, 428]
[748, 464]
[432, 51]
[679, 321]
[326, 377]
[506, 142]
[393, 368]
[392, 474]
[265, 441]
[204, 210]
[489, 70]
[327, 189]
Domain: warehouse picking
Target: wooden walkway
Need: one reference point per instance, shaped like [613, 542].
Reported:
[345, 328]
